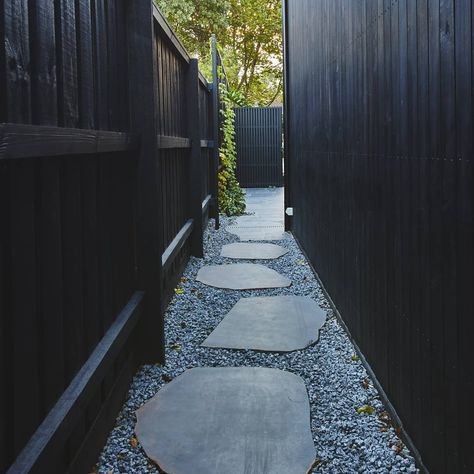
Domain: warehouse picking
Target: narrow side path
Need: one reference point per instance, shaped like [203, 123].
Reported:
[338, 386]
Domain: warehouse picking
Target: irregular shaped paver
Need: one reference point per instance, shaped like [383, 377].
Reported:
[271, 323]
[242, 276]
[232, 420]
[258, 233]
[253, 251]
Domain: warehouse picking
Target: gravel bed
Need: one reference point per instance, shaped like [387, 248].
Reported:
[346, 441]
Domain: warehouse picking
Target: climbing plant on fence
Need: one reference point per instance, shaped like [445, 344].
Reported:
[231, 196]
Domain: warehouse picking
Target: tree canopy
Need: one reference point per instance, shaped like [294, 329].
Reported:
[249, 37]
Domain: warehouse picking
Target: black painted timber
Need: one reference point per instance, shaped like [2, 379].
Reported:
[216, 63]
[258, 137]
[96, 154]
[378, 110]
[194, 167]
[28, 141]
[41, 451]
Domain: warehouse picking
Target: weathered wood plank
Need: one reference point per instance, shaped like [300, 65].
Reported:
[44, 93]
[67, 73]
[167, 142]
[28, 141]
[85, 64]
[16, 52]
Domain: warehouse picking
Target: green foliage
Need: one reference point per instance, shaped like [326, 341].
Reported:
[238, 99]
[250, 41]
[231, 196]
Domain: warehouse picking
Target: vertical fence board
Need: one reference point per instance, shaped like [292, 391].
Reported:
[50, 280]
[44, 96]
[258, 144]
[85, 64]
[68, 107]
[101, 51]
[72, 243]
[6, 444]
[23, 303]
[16, 74]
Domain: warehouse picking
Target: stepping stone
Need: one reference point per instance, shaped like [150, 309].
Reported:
[271, 323]
[253, 251]
[230, 420]
[259, 220]
[258, 233]
[242, 276]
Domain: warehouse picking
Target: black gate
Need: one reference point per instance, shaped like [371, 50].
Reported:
[259, 144]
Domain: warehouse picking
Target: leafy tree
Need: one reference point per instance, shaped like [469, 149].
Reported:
[249, 37]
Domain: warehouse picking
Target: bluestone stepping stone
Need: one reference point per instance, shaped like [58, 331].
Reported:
[242, 276]
[270, 323]
[253, 251]
[258, 233]
[231, 420]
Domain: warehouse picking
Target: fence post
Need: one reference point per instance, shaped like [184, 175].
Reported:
[215, 133]
[195, 168]
[286, 116]
[149, 245]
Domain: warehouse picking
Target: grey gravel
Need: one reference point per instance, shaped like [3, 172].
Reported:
[337, 382]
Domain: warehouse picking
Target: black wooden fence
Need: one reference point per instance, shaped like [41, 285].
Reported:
[107, 178]
[258, 134]
[380, 140]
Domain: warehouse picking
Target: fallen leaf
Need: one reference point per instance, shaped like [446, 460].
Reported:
[179, 291]
[365, 383]
[176, 347]
[367, 409]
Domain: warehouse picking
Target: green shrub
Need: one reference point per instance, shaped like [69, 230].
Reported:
[231, 196]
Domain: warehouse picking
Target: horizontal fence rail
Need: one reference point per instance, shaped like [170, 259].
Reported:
[107, 182]
[379, 135]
